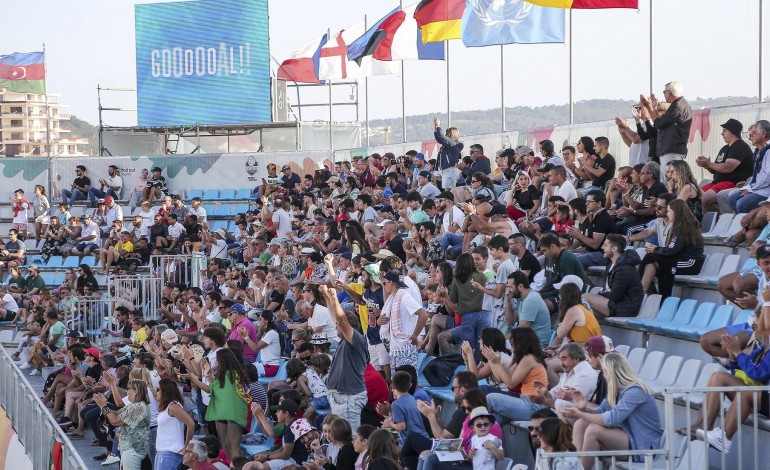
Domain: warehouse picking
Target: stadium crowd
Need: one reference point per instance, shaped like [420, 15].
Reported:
[334, 286]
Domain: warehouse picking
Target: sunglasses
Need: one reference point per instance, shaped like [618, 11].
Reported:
[482, 425]
[533, 428]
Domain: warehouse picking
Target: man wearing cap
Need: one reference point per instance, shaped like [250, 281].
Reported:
[238, 318]
[733, 164]
[78, 189]
[424, 185]
[289, 180]
[402, 320]
[156, 186]
[110, 186]
[596, 348]
[480, 161]
[88, 240]
[418, 166]
[565, 263]
[114, 211]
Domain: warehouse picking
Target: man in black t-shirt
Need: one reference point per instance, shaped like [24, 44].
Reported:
[733, 165]
[289, 180]
[528, 263]
[601, 168]
[592, 234]
[156, 186]
[79, 188]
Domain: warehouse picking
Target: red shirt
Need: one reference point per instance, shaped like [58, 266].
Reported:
[376, 388]
[561, 227]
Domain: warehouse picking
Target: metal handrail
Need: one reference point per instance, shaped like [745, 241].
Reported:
[34, 424]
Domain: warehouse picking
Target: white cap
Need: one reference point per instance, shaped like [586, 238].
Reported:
[570, 279]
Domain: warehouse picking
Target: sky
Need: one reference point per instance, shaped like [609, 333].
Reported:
[711, 46]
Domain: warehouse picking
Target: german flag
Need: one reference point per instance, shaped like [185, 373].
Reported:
[587, 4]
[439, 20]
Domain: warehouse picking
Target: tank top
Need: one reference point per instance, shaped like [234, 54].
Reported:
[537, 374]
[170, 432]
[581, 334]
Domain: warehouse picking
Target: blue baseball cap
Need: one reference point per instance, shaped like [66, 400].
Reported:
[420, 156]
[237, 308]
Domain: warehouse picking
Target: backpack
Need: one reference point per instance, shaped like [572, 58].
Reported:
[439, 372]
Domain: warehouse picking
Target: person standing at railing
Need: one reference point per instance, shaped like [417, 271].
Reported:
[448, 155]
[627, 419]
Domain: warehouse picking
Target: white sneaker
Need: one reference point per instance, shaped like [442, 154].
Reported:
[718, 440]
[25, 366]
[34, 372]
[111, 459]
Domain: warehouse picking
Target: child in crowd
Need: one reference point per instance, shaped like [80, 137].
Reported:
[309, 384]
[404, 415]
[291, 453]
[556, 436]
[486, 448]
[561, 220]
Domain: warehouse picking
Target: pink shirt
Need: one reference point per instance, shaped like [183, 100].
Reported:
[468, 433]
[249, 353]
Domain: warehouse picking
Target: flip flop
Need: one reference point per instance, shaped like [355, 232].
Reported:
[734, 241]
[683, 432]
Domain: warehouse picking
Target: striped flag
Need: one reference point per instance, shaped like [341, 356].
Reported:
[23, 72]
[440, 20]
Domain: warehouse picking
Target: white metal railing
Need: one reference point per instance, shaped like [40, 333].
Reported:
[34, 425]
[179, 269]
[610, 457]
[690, 402]
[136, 292]
[90, 315]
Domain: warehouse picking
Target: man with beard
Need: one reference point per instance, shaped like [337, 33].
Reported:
[532, 312]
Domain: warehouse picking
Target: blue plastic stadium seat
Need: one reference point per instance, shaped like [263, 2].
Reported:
[743, 317]
[194, 193]
[54, 262]
[58, 278]
[71, 261]
[49, 279]
[238, 208]
[684, 313]
[89, 261]
[721, 319]
[227, 194]
[421, 378]
[257, 448]
[217, 224]
[209, 208]
[686, 317]
[243, 194]
[211, 195]
[280, 375]
[665, 314]
[220, 210]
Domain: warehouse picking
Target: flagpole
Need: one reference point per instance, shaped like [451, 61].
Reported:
[502, 88]
[761, 39]
[47, 109]
[448, 112]
[571, 98]
[366, 98]
[403, 90]
[329, 83]
[652, 85]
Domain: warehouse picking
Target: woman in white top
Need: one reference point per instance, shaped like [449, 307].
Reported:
[139, 187]
[268, 346]
[175, 427]
[41, 211]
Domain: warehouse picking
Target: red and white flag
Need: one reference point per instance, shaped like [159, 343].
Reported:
[333, 63]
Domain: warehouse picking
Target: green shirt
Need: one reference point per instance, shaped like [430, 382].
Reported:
[465, 296]
[35, 282]
[226, 403]
[135, 431]
[19, 282]
[58, 329]
[566, 264]
[419, 216]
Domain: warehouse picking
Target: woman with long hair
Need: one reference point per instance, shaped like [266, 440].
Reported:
[467, 301]
[71, 233]
[627, 419]
[85, 279]
[448, 155]
[141, 184]
[351, 188]
[361, 444]
[681, 253]
[175, 427]
[524, 198]
[134, 422]
[527, 368]
[480, 184]
[495, 340]
[556, 436]
[41, 212]
[684, 186]
[382, 452]
[356, 238]
[576, 322]
[228, 407]
[269, 344]
[54, 238]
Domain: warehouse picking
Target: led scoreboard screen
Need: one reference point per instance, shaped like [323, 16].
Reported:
[204, 61]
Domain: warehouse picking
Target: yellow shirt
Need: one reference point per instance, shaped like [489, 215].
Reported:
[127, 246]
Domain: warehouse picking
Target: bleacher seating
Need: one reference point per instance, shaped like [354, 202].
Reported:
[243, 194]
[210, 195]
[684, 316]
[227, 194]
[708, 221]
[700, 325]
[721, 227]
[194, 193]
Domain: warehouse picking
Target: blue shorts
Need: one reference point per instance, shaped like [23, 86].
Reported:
[320, 402]
[739, 328]
[82, 246]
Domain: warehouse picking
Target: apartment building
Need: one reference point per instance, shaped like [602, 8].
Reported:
[23, 127]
